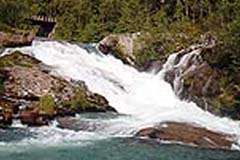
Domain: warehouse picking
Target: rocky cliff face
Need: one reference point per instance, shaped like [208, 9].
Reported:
[193, 78]
[30, 93]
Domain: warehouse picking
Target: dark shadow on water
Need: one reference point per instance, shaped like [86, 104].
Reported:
[15, 134]
[121, 149]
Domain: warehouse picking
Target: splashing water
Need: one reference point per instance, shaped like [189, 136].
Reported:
[145, 97]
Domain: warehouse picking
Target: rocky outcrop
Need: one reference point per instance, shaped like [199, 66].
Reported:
[121, 46]
[16, 39]
[35, 96]
[188, 134]
[153, 66]
[194, 79]
[125, 46]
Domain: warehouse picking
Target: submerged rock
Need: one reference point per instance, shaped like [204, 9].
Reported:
[80, 124]
[38, 96]
[188, 134]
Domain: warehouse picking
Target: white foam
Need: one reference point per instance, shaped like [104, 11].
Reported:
[144, 96]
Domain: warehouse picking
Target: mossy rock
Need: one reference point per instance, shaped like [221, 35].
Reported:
[17, 59]
[80, 101]
[47, 105]
[84, 102]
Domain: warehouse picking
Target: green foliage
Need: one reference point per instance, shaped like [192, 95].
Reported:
[47, 105]
[13, 12]
[16, 59]
[79, 101]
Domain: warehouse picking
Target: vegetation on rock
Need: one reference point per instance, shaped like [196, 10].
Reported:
[17, 59]
[25, 81]
[47, 105]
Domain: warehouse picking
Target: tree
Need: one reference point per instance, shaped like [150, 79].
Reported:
[13, 12]
[109, 14]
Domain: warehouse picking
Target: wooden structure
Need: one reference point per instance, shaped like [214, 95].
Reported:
[46, 24]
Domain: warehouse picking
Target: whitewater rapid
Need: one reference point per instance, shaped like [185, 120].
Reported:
[145, 97]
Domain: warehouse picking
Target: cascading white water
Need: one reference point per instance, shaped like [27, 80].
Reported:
[146, 97]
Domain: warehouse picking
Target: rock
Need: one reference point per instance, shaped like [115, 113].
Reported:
[188, 134]
[40, 96]
[16, 39]
[194, 79]
[153, 66]
[101, 103]
[201, 81]
[124, 46]
[6, 112]
[80, 124]
[31, 117]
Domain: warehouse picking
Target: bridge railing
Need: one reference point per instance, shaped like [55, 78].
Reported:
[43, 18]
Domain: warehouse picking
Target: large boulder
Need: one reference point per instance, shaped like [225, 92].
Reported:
[124, 46]
[38, 96]
[188, 134]
[16, 39]
[193, 78]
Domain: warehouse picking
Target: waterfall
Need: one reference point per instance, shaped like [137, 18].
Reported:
[180, 65]
[145, 97]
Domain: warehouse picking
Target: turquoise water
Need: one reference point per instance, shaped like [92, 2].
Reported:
[118, 149]
[13, 146]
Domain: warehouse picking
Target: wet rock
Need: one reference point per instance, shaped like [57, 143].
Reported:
[41, 96]
[194, 79]
[153, 66]
[80, 124]
[188, 134]
[16, 39]
[100, 103]
[6, 113]
[31, 117]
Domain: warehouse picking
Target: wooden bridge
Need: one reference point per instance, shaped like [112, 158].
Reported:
[43, 19]
[46, 24]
